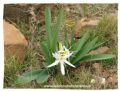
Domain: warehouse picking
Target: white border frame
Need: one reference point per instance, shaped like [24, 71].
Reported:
[60, 1]
[2, 2]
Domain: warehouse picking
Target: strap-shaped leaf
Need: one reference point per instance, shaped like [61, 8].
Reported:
[42, 76]
[81, 42]
[27, 77]
[57, 29]
[66, 38]
[79, 45]
[48, 26]
[88, 46]
[98, 45]
[47, 53]
[94, 57]
[72, 41]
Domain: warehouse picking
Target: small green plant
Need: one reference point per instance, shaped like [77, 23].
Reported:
[56, 53]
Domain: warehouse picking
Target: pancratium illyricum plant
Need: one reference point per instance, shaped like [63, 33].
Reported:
[69, 54]
[62, 56]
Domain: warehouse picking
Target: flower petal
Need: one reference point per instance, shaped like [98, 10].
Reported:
[53, 64]
[60, 46]
[67, 56]
[62, 68]
[66, 48]
[70, 54]
[55, 55]
[69, 63]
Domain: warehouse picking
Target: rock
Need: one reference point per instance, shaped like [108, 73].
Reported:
[98, 68]
[99, 50]
[98, 80]
[14, 41]
[113, 80]
[83, 23]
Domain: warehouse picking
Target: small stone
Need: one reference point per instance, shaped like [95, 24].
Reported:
[99, 80]
[92, 81]
[103, 80]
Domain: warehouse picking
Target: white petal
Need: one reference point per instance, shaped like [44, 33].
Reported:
[65, 48]
[62, 68]
[70, 54]
[55, 55]
[67, 56]
[69, 63]
[53, 64]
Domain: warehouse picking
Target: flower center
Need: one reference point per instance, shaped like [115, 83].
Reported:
[62, 53]
[61, 58]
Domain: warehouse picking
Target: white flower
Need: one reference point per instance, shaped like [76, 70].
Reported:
[61, 57]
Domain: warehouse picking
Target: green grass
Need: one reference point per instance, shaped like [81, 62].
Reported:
[15, 67]
[106, 31]
[11, 67]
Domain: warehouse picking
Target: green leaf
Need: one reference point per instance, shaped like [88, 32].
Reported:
[95, 57]
[72, 41]
[42, 77]
[47, 53]
[66, 38]
[79, 45]
[98, 45]
[27, 77]
[88, 46]
[57, 29]
[86, 49]
[48, 26]
[81, 42]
